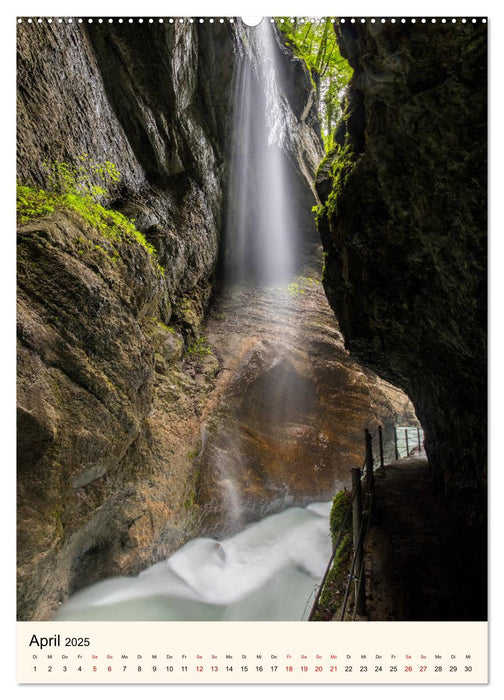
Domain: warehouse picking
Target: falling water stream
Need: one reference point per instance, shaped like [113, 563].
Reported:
[268, 571]
[260, 232]
[261, 236]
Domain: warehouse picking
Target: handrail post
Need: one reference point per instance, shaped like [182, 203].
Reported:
[380, 439]
[360, 593]
[407, 443]
[369, 461]
[419, 443]
[395, 443]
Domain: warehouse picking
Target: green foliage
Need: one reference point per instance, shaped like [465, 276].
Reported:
[300, 285]
[199, 349]
[111, 224]
[339, 508]
[343, 164]
[111, 255]
[294, 289]
[32, 204]
[81, 179]
[314, 41]
[74, 187]
[168, 329]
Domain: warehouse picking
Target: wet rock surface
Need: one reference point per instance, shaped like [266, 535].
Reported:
[286, 421]
[102, 474]
[130, 443]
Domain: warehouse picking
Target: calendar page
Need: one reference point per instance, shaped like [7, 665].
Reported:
[251, 349]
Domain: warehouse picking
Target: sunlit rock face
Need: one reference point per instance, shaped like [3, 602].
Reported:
[291, 406]
[285, 423]
[404, 231]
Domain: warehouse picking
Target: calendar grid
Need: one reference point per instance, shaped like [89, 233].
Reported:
[252, 652]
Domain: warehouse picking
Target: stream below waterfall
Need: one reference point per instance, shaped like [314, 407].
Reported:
[268, 571]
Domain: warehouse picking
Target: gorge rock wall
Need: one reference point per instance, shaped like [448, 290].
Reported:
[404, 232]
[106, 414]
[138, 96]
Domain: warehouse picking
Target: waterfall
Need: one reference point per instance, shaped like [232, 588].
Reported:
[227, 472]
[261, 236]
[260, 232]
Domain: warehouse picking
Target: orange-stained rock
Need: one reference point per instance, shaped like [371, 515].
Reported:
[288, 423]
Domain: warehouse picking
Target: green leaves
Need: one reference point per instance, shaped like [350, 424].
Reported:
[32, 204]
[79, 187]
[86, 178]
[315, 42]
[199, 349]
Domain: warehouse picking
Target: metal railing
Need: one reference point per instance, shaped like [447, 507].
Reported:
[407, 440]
[361, 507]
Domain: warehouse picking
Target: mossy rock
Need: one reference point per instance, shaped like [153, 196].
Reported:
[336, 581]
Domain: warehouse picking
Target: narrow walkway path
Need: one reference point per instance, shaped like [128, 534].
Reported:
[421, 562]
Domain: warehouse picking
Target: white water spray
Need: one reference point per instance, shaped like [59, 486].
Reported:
[261, 235]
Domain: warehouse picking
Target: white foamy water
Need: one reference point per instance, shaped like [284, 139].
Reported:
[266, 572]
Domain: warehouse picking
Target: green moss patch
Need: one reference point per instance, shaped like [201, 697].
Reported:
[336, 581]
[75, 188]
[199, 349]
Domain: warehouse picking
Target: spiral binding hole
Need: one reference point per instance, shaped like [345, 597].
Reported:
[222, 20]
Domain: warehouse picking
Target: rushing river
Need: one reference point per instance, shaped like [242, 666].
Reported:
[266, 572]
